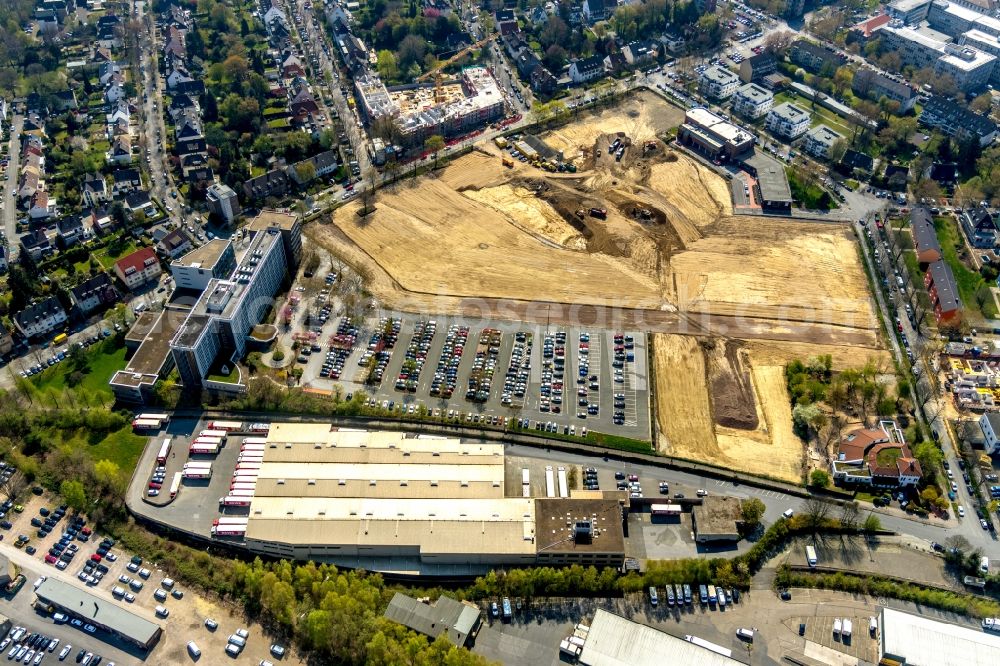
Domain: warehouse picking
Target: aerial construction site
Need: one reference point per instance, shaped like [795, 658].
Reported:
[634, 233]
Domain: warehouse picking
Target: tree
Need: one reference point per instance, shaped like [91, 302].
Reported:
[752, 510]
[872, 523]
[819, 478]
[433, 144]
[387, 68]
[836, 152]
[849, 513]
[73, 494]
[815, 513]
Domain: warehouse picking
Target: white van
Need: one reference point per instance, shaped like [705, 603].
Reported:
[238, 641]
[984, 564]
[745, 634]
[872, 626]
[162, 611]
[193, 649]
[836, 627]
[167, 583]
[788, 514]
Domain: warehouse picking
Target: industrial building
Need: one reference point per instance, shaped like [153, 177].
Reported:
[152, 359]
[906, 638]
[396, 502]
[712, 136]
[107, 615]
[615, 641]
[456, 619]
[214, 259]
[771, 188]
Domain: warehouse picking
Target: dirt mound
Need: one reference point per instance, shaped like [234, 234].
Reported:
[733, 402]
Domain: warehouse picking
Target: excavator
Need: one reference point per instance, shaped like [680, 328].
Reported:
[438, 72]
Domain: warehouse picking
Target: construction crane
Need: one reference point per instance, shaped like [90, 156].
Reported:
[438, 72]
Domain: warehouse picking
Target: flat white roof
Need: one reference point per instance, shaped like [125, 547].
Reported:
[923, 641]
[390, 472]
[615, 641]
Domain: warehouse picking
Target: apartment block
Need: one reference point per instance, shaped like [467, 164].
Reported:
[718, 82]
[751, 101]
[788, 121]
[819, 140]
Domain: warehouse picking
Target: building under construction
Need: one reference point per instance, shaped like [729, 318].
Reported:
[423, 110]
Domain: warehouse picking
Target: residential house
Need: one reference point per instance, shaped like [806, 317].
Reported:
[543, 82]
[925, 240]
[199, 176]
[72, 230]
[303, 104]
[755, 68]
[614, 62]
[788, 121]
[140, 201]
[943, 290]
[95, 190]
[322, 165]
[94, 293]
[175, 243]
[274, 183]
[28, 184]
[673, 43]
[990, 425]
[125, 181]
[42, 206]
[854, 159]
[957, 121]
[119, 111]
[40, 318]
[819, 140]
[718, 82]
[598, 10]
[292, 66]
[815, 58]
[869, 28]
[188, 146]
[138, 268]
[873, 85]
[586, 69]
[114, 93]
[179, 104]
[101, 221]
[878, 457]
[64, 100]
[980, 227]
[641, 53]
[106, 71]
[943, 173]
[121, 151]
[751, 101]
[37, 244]
[194, 88]
[505, 21]
[177, 76]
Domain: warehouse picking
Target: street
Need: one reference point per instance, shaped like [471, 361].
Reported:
[10, 186]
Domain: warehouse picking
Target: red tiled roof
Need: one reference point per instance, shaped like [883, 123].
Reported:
[867, 27]
[135, 261]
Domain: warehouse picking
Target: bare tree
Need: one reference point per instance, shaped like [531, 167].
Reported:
[849, 514]
[15, 485]
[816, 511]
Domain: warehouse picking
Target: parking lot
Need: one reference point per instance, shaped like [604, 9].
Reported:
[141, 590]
[566, 379]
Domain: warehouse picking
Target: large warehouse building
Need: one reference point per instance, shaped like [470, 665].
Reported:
[399, 502]
[915, 640]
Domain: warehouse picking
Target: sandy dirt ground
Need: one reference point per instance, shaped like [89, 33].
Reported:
[690, 427]
[843, 356]
[642, 117]
[529, 213]
[683, 406]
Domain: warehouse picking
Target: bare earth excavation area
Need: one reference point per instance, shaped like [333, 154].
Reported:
[731, 298]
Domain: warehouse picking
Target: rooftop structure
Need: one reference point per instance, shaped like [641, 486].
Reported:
[914, 639]
[925, 240]
[456, 619]
[214, 259]
[615, 641]
[713, 136]
[152, 360]
[717, 518]
[771, 189]
[876, 456]
[108, 615]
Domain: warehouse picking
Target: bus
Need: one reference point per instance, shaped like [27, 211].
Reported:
[811, 556]
[161, 457]
[235, 500]
[203, 449]
[146, 424]
[228, 426]
[259, 427]
[59, 339]
[665, 509]
[175, 484]
[229, 530]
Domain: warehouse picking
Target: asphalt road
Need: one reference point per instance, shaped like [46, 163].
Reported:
[152, 118]
[10, 186]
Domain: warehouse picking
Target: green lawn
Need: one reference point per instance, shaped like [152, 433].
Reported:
[809, 196]
[122, 447]
[969, 281]
[820, 115]
[114, 251]
[888, 457]
[102, 361]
